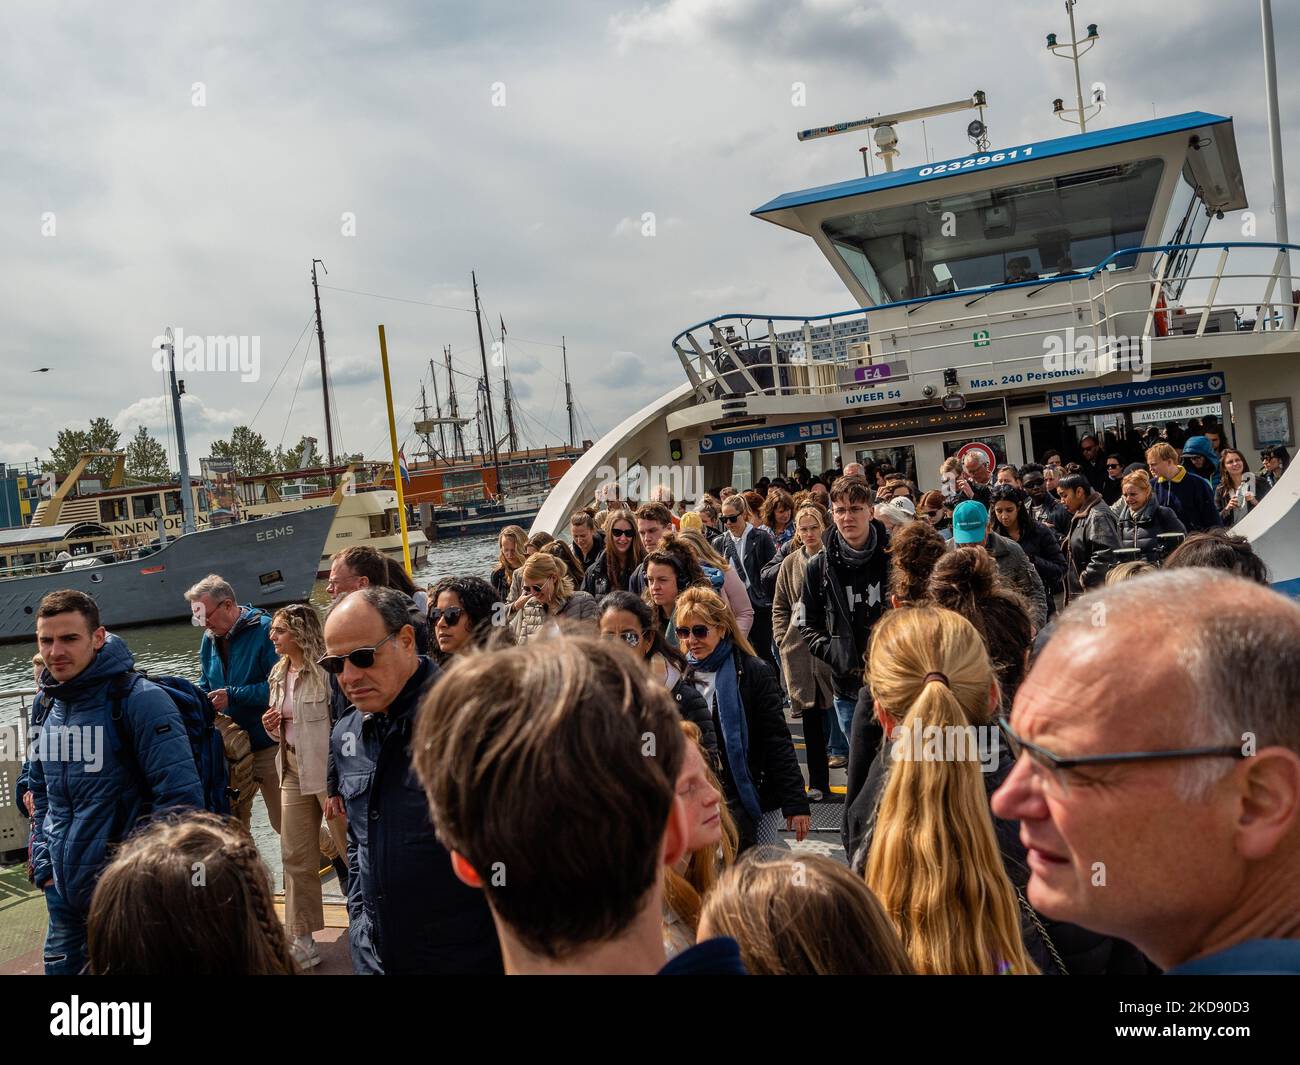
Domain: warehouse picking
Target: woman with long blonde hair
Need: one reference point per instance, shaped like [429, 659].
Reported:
[934, 861]
[510, 556]
[711, 845]
[759, 769]
[298, 718]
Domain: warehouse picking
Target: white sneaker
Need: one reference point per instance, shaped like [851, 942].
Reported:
[305, 952]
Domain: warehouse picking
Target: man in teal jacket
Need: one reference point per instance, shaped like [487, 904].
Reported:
[236, 657]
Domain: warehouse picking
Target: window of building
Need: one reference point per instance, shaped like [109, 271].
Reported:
[1038, 229]
[144, 506]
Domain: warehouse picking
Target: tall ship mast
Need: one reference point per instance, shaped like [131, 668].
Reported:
[460, 492]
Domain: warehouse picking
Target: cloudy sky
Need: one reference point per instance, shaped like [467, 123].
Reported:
[407, 143]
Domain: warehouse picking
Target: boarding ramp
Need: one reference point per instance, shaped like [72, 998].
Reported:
[636, 442]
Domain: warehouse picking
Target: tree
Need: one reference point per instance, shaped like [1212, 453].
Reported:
[246, 450]
[70, 443]
[146, 459]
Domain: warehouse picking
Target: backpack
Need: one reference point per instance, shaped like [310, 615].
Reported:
[225, 765]
[715, 575]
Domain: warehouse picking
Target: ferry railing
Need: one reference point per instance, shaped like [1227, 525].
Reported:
[739, 354]
[23, 696]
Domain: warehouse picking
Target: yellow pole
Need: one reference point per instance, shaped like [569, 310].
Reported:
[392, 439]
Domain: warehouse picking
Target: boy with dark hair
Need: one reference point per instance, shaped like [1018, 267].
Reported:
[574, 718]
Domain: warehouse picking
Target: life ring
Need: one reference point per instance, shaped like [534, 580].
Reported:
[1161, 315]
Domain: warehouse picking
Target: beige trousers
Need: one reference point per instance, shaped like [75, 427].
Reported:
[300, 850]
[265, 781]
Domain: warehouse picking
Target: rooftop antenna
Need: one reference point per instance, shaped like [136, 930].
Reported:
[886, 137]
[1073, 51]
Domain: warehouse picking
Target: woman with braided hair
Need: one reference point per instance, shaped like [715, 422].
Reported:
[185, 897]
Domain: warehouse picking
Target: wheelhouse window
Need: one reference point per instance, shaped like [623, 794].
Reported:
[1186, 223]
[144, 506]
[1039, 229]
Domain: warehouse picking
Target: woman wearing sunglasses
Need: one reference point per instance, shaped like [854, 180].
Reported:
[626, 617]
[759, 769]
[299, 719]
[611, 570]
[551, 603]
[466, 613]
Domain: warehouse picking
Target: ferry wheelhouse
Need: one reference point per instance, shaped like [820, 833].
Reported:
[1018, 297]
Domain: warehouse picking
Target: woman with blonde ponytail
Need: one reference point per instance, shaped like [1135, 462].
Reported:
[933, 858]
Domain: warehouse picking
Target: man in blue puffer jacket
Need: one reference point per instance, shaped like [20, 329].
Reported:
[236, 657]
[88, 793]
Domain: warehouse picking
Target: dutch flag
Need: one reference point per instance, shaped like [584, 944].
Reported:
[401, 465]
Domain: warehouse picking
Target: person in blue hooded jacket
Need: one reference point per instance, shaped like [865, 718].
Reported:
[88, 790]
[236, 658]
[1200, 458]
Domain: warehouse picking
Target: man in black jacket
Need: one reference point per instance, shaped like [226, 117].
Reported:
[407, 911]
[1094, 534]
[845, 590]
[749, 547]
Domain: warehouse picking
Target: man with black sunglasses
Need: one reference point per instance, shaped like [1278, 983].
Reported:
[1161, 805]
[407, 912]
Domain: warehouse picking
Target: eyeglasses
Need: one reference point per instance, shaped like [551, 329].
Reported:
[451, 615]
[534, 589]
[361, 657]
[1056, 773]
[629, 636]
[622, 534]
[700, 632]
[731, 519]
[1112, 465]
[841, 512]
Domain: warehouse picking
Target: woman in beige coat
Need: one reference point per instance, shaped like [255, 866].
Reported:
[807, 679]
[299, 718]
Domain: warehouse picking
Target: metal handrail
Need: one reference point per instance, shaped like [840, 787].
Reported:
[985, 289]
[797, 348]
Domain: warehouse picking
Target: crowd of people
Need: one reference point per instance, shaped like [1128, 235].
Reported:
[582, 761]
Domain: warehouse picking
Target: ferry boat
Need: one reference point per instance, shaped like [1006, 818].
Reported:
[120, 518]
[366, 510]
[268, 562]
[1017, 297]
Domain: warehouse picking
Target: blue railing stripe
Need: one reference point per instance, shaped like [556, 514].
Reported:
[965, 293]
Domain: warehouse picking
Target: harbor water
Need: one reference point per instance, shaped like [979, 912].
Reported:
[174, 649]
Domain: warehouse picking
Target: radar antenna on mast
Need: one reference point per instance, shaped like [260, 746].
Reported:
[886, 136]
